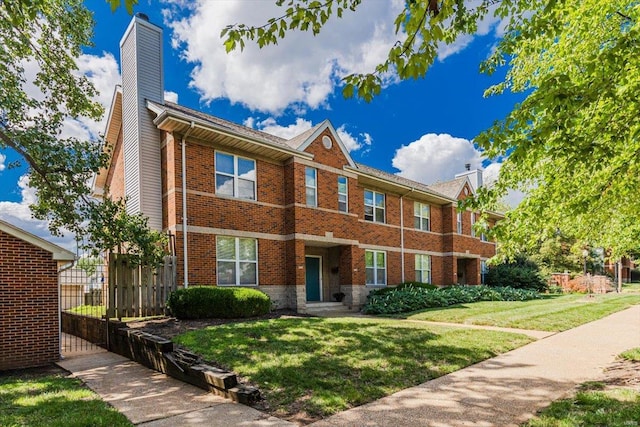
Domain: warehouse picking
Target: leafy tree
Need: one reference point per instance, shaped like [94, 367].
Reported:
[48, 35]
[573, 144]
[519, 273]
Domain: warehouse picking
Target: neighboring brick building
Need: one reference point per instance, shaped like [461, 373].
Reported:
[298, 218]
[29, 303]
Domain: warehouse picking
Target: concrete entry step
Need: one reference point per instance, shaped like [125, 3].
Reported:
[329, 309]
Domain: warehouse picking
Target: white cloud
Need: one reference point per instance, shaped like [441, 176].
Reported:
[351, 142]
[435, 158]
[300, 70]
[271, 126]
[171, 96]
[103, 72]
[2, 160]
[488, 24]
[19, 214]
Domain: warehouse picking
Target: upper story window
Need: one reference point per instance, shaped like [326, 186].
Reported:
[373, 206]
[473, 222]
[343, 194]
[311, 186]
[235, 176]
[421, 216]
[236, 261]
[483, 237]
[459, 223]
[376, 267]
[423, 268]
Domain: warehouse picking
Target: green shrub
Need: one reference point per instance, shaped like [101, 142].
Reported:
[403, 285]
[411, 298]
[416, 285]
[520, 274]
[201, 302]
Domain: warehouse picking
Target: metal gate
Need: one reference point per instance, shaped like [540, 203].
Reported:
[83, 302]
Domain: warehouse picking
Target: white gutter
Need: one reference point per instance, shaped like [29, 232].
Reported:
[402, 233]
[184, 204]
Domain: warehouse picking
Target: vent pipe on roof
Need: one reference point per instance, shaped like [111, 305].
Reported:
[143, 16]
[467, 166]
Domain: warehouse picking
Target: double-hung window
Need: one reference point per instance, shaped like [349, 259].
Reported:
[421, 216]
[235, 176]
[374, 206]
[311, 186]
[459, 223]
[376, 267]
[423, 268]
[483, 271]
[343, 194]
[237, 261]
[473, 222]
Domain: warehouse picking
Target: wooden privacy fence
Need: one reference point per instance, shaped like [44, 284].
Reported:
[138, 290]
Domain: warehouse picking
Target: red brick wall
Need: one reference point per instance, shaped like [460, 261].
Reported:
[29, 326]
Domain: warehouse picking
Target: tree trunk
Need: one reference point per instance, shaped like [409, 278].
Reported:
[619, 288]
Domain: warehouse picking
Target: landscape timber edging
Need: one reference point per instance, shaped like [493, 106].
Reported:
[159, 354]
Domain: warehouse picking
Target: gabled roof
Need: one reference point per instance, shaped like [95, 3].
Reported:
[217, 121]
[172, 117]
[317, 131]
[404, 182]
[59, 254]
[451, 188]
[297, 141]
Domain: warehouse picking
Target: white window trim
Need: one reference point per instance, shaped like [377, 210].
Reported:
[314, 187]
[237, 262]
[459, 223]
[235, 176]
[376, 268]
[384, 208]
[422, 271]
[346, 195]
[420, 205]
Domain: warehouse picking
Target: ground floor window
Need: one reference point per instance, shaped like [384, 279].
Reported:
[376, 267]
[237, 261]
[483, 271]
[423, 268]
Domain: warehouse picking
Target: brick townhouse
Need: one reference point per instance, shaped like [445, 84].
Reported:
[297, 218]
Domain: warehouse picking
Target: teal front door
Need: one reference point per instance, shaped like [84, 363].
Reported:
[313, 278]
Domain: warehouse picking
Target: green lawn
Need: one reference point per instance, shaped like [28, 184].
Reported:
[53, 400]
[595, 405]
[316, 367]
[553, 313]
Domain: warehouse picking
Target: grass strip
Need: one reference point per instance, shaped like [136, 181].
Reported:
[53, 400]
[553, 313]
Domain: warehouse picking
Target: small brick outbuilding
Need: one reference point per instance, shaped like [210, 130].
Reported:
[29, 298]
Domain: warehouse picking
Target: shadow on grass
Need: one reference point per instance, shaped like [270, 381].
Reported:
[33, 400]
[323, 366]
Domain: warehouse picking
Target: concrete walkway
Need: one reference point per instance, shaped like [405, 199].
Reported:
[508, 389]
[503, 391]
[151, 399]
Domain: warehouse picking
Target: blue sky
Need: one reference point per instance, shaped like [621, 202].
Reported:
[421, 129]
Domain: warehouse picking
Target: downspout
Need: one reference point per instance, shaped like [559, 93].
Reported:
[184, 204]
[402, 233]
[63, 268]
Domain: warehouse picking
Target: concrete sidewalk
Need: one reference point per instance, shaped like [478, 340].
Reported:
[503, 391]
[508, 389]
[151, 399]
